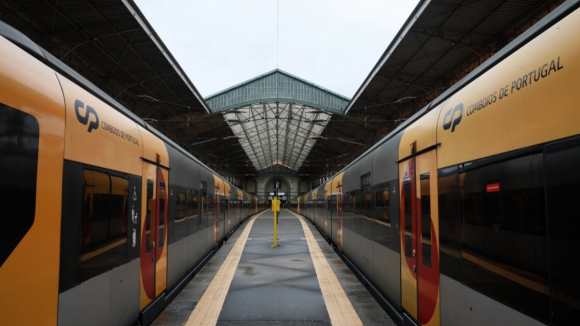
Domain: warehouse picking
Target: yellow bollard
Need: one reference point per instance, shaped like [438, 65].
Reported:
[275, 209]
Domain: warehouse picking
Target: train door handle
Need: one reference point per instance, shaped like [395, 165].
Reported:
[414, 268]
[413, 253]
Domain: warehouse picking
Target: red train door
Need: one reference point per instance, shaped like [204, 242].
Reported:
[154, 234]
[420, 238]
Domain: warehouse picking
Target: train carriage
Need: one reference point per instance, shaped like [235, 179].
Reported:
[108, 218]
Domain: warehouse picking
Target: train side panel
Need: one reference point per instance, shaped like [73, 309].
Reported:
[387, 250]
[351, 229]
[102, 171]
[527, 99]
[185, 250]
[32, 148]
[207, 208]
[509, 231]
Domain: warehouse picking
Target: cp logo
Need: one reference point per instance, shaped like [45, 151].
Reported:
[84, 119]
[449, 122]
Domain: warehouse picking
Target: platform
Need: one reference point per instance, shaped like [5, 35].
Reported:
[302, 282]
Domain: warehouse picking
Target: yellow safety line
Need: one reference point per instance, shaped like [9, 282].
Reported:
[208, 309]
[339, 307]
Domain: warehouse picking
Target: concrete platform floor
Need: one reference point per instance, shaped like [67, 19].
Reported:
[275, 286]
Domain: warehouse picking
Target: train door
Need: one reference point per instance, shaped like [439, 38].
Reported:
[420, 229]
[154, 234]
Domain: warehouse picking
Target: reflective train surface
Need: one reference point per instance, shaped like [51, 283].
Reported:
[466, 213]
[104, 219]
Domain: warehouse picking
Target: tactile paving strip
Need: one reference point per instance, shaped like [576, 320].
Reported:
[208, 309]
[339, 307]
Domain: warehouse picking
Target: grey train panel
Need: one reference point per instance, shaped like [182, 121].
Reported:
[387, 268]
[207, 218]
[184, 171]
[351, 178]
[366, 166]
[462, 306]
[385, 167]
[111, 298]
[366, 257]
[194, 249]
[351, 245]
[176, 262]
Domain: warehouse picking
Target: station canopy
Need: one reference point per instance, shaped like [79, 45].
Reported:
[277, 117]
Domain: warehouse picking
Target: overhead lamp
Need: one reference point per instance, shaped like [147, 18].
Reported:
[317, 112]
[234, 111]
[317, 121]
[234, 120]
[232, 137]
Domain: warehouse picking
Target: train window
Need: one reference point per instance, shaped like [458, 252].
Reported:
[193, 216]
[449, 222]
[180, 207]
[148, 217]
[504, 227]
[193, 205]
[382, 202]
[162, 196]
[210, 208]
[118, 213]
[181, 215]
[407, 197]
[562, 177]
[426, 219]
[365, 180]
[19, 134]
[103, 222]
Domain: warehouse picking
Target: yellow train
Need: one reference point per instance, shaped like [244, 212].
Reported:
[104, 218]
[465, 214]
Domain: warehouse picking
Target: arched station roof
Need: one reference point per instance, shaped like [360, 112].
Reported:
[277, 117]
